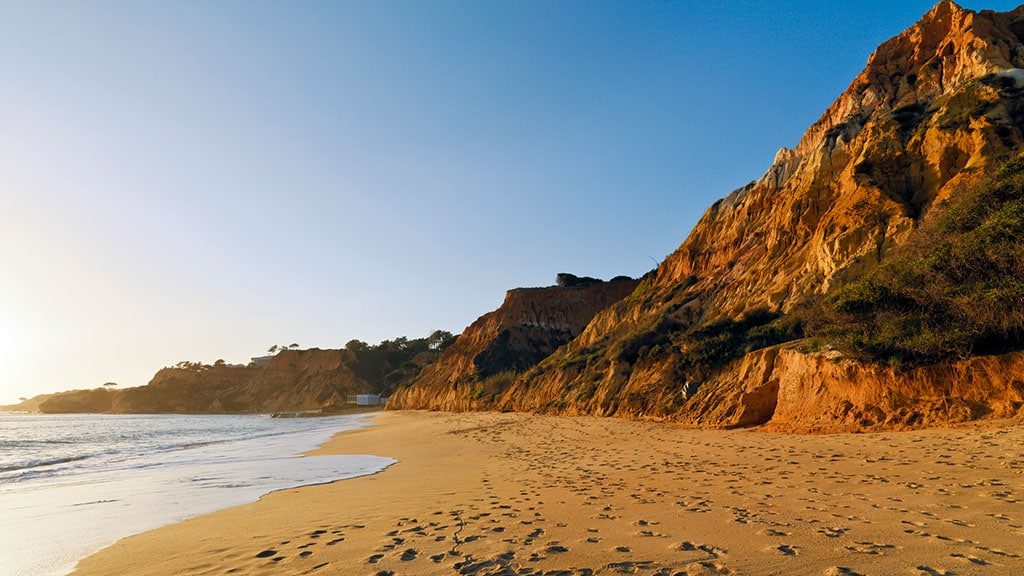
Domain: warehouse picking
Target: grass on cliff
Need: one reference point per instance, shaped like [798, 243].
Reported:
[490, 387]
[714, 345]
[700, 350]
[956, 290]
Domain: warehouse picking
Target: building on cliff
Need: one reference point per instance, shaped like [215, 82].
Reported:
[261, 361]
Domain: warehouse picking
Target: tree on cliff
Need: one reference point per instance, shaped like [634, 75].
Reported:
[439, 340]
[567, 280]
[356, 345]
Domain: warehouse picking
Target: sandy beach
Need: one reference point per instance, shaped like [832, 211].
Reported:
[491, 493]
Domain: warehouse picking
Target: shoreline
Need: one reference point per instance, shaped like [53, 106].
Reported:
[304, 414]
[490, 493]
[51, 522]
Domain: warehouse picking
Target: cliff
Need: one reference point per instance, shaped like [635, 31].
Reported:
[26, 405]
[937, 110]
[935, 107]
[294, 380]
[529, 326]
[787, 389]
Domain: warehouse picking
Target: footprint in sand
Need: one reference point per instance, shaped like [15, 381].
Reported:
[631, 567]
[556, 549]
[840, 571]
[832, 532]
[929, 571]
[872, 548]
[710, 550]
[970, 558]
[705, 568]
[997, 552]
[788, 549]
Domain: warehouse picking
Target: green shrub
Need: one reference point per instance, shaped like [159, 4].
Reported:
[711, 346]
[492, 385]
[581, 358]
[703, 349]
[956, 289]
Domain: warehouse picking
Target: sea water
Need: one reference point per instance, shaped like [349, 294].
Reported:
[72, 484]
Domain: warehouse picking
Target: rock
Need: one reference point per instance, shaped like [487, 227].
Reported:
[528, 327]
[565, 280]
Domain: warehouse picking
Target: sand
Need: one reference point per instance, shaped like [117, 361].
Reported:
[522, 494]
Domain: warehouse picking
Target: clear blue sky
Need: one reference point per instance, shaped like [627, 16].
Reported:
[200, 180]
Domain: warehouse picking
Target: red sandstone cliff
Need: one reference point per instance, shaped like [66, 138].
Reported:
[937, 108]
[790, 390]
[530, 325]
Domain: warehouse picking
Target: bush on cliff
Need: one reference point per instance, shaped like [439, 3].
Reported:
[491, 386]
[701, 350]
[956, 290]
[710, 347]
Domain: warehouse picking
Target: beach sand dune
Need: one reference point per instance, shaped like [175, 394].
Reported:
[516, 494]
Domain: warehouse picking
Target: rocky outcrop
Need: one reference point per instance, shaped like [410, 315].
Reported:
[528, 327]
[294, 380]
[566, 280]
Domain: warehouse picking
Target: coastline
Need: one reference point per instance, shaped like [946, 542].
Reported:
[110, 476]
[480, 493]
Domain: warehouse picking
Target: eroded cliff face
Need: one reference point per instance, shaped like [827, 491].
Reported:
[295, 380]
[788, 390]
[936, 109]
[528, 327]
[935, 106]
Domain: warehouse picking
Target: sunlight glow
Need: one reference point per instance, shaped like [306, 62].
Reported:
[7, 343]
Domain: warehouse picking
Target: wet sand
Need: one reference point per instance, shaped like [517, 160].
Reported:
[512, 494]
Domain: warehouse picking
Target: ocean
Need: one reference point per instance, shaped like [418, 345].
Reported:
[72, 484]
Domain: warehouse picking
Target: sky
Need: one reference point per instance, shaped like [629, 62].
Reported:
[200, 180]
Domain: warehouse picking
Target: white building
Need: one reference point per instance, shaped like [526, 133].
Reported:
[368, 400]
[261, 361]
